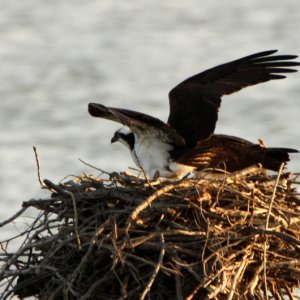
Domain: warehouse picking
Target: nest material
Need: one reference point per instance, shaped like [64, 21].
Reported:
[121, 238]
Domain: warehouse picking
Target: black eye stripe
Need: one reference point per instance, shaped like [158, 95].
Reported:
[129, 138]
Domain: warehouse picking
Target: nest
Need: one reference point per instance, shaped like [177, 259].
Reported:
[118, 237]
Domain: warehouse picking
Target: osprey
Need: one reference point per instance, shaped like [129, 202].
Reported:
[187, 143]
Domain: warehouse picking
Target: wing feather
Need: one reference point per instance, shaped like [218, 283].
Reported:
[137, 122]
[195, 102]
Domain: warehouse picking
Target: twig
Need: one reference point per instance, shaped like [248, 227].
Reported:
[178, 287]
[152, 198]
[273, 195]
[253, 282]
[38, 166]
[93, 167]
[284, 236]
[75, 218]
[236, 277]
[16, 215]
[156, 270]
[266, 228]
[166, 270]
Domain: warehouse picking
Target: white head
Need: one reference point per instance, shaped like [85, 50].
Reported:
[125, 136]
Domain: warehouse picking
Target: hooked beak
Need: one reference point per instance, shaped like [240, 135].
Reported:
[114, 139]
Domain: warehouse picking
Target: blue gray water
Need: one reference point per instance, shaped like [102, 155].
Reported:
[57, 56]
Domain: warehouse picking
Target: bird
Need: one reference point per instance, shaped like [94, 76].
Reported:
[186, 143]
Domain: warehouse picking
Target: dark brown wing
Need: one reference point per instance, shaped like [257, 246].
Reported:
[232, 154]
[194, 103]
[137, 122]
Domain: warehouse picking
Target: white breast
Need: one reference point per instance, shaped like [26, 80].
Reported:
[152, 154]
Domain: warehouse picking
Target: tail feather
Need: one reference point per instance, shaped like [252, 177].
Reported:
[276, 156]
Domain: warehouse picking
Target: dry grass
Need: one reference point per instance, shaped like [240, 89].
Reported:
[117, 237]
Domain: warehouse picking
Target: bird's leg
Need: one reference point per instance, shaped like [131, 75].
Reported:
[146, 178]
[156, 175]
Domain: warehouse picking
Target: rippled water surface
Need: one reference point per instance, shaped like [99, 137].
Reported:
[57, 56]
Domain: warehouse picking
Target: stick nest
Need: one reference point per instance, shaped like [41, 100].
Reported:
[117, 237]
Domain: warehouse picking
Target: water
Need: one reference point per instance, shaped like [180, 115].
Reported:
[57, 56]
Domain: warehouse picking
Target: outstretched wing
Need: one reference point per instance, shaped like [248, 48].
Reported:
[195, 102]
[137, 122]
